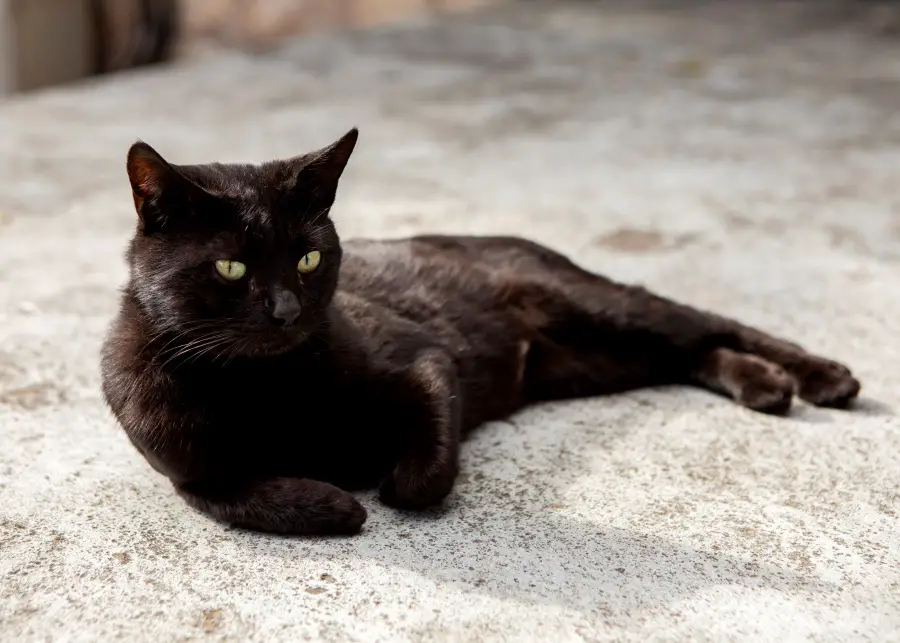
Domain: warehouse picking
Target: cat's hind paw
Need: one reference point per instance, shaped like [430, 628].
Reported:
[826, 383]
[772, 395]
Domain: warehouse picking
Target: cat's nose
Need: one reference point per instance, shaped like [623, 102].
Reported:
[285, 308]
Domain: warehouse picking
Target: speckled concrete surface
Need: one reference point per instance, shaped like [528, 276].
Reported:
[743, 161]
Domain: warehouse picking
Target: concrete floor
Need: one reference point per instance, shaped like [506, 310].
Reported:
[744, 161]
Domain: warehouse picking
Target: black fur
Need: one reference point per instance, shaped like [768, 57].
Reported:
[399, 349]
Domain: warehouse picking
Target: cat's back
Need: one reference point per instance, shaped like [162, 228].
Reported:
[424, 278]
[410, 292]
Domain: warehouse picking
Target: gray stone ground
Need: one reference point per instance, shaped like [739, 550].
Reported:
[741, 160]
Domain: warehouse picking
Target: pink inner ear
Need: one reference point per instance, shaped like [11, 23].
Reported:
[145, 169]
[145, 182]
[144, 176]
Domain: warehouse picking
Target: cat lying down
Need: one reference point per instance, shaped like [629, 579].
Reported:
[267, 368]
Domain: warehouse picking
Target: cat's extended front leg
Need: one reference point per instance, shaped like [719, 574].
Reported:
[429, 450]
[296, 506]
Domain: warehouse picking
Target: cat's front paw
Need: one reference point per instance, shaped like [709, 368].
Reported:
[416, 486]
[823, 382]
[347, 516]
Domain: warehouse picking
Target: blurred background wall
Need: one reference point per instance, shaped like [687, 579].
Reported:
[46, 42]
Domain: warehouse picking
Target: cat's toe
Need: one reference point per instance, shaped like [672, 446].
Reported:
[764, 386]
[829, 384]
[773, 397]
[410, 488]
[350, 520]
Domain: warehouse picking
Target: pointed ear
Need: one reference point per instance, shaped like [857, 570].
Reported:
[159, 189]
[148, 173]
[329, 162]
[320, 171]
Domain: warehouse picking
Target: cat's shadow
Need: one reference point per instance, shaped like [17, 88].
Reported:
[872, 407]
[509, 531]
[865, 406]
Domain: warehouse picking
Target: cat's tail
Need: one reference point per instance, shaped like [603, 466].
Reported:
[296, 506]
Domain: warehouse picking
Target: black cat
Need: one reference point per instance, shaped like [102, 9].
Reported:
[266, 369]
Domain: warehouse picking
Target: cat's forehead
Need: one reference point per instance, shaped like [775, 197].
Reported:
[267, 222]
[263, 221]
[263, 237]
[236, 181]
[262, 197]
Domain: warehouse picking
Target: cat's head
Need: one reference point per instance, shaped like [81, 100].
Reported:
[238, 259]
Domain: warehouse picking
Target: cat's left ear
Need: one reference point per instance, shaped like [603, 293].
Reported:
[319, 172]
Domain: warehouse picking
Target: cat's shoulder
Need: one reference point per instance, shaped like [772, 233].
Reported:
[407, 252]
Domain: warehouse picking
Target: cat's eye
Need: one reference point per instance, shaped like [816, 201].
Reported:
[310, 261]
[231, 270]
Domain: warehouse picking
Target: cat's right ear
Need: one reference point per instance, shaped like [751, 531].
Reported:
[159, 190]
[147, 173]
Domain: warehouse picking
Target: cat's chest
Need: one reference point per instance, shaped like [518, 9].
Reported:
[284, 418]
[281, 393]
[272, 385]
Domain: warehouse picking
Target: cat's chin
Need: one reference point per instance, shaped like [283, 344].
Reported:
[274, 345]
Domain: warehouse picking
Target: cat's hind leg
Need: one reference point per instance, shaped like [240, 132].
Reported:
[597, 336]
[820, 381]
[605, 351]
[750, 380]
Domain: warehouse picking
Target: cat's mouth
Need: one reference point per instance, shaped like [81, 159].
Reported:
[273, 343]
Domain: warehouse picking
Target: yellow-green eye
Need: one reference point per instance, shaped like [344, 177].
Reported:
[310, 261]
[231, 270]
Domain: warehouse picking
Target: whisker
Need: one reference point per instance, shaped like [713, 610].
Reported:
[319, 215]
[207, 341]
[163, 350]
[185, 327]
[192, 356]
[206, 350]
[191, 327]
[237, 349]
